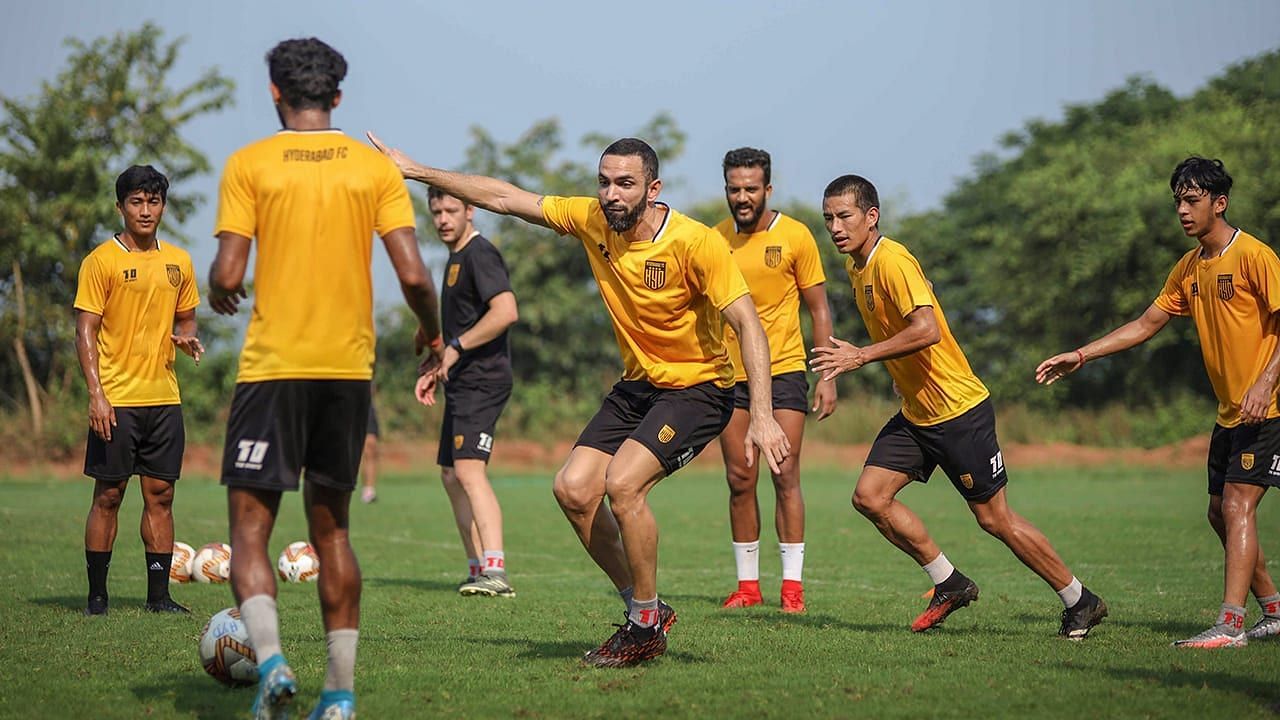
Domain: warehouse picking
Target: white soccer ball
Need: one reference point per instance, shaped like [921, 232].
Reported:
[225, 650]
[299, 563]
[212, 563]
[183, 557]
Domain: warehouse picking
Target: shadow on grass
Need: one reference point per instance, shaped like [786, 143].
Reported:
[412, 584]
[198, 696]
[1264, 692]
[77, 602]
[821, 621]
[574, 649]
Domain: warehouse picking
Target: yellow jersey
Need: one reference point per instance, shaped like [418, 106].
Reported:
[313, 201]
[1234, 299]
[936, 382]
[663, 295]
[777, 263]
[137, 294]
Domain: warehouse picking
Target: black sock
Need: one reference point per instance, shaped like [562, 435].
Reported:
[158, 576]
[97, 563]
[954, 581]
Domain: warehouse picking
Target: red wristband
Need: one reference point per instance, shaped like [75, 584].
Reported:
[437, 342]
[1081, 356]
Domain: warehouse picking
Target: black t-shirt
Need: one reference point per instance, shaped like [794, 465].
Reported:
[472, 277]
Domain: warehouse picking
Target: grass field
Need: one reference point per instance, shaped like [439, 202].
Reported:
[1137, 537]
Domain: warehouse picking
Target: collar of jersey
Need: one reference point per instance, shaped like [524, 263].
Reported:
[287, 131]
[666, 220]
[125, 248]
[1225, 248]
[776, 217]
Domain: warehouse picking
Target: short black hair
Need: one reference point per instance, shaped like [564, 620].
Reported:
[307, 73]
[142, 177]
[435, 193]
[1203, 174]
[861, 188]
[633, 147]
[748, 157]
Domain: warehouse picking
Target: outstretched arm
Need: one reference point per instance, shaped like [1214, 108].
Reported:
[488, 193]
[1122, 338]
[226, 275]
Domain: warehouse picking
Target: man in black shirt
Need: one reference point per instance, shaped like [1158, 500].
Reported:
[477, 308]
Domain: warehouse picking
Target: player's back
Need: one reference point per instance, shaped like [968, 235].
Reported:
[313, 201]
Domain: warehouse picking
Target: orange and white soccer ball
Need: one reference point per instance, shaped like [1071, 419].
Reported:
[183, 560]
[212, 563]
[225, 650]
[299, 563]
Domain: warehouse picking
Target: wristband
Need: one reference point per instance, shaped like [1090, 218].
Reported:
[456, 344]
[1080, 355]
[436, 343]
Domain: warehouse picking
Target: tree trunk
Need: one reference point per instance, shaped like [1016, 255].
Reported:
[20, 349]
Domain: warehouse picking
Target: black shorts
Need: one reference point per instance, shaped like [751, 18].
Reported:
[790, 392]
[278, 428]
[146, 441]
[1245, 454]
[965, 447]
[673, 424]
[372, 427]
[471, 414]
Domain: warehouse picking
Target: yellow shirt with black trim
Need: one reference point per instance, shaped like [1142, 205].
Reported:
[313, 201]
[663, 295]
[936, 382]
[777, 263]
[1235, 301]
[137, 294]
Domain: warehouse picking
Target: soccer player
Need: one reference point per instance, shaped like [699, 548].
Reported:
[135, 303]
[477, 309]
[313, 198]
[369, 457]
[663, 277]
[1230, 286]
[946, 420]
[779, 259]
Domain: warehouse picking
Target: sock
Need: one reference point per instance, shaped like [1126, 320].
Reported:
[627, 594]
[473, 567]
[792, 560]
[494, 562]
[329, 697]
[939, 569]
[644, 612]
[342, 660]
[1232, 616]
[97, 564]
[260, 619]
[1270, 605]
[747, 556]
[1071, 593]
[158, 576]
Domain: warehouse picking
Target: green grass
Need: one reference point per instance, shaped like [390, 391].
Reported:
[1137, 537]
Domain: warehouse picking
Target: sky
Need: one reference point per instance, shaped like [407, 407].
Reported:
[905, 92]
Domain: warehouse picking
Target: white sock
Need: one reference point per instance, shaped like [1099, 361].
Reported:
[494, 561]
[626, 594]
[1071, 593]
[792, 560]
[747, 556]
[939, 569]
[342, 660]
[262, 622]
[644, 612]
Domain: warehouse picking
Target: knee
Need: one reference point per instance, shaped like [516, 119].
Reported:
[1214, 514]
[741, 482]
[1234, 507]
[994, 523]
[574, 492]
[624, 494]
[870, 504]
[160, 501]
[449, 478]
[109, 499]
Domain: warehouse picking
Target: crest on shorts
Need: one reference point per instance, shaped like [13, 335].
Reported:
[666, 434]
[1246, 461]
[967, 480]
[174, 273]
[655, 274]
[457, 442]
[1226, 289]
[452, 278]
[773, 256]
[870, 296]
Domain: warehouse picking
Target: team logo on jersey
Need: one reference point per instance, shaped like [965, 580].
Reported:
[1226, 290]
[870, 297]
[655, 274]
[967, 480]
[1246, 461]
[1195, 289]
[174, 273]
[666, 434]
[457, 442]
[773, 256]
[452, 278]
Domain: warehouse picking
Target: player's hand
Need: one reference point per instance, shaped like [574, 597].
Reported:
[1058, 367]
[189, 344]
[422, 342]
[429, 365]
[226, 303]
[102, 417]
[448, 359]
[824, 399]
[425, 389]
[840, 357]
[767, 435]
[403, 162]
[1253, 409]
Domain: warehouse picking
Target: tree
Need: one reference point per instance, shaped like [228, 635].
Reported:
[59, 155]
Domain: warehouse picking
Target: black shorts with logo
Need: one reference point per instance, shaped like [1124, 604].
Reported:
[965, 447]
[790, 392]
[1245, 454]
[279, 428]
[146, 441]
[674, 424]
[471, 414]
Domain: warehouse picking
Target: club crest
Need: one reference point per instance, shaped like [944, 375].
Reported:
[655, 274]
[666, 434]
[1246, 461]
[1195, 289]
[967, 480]
[870, 297]
[174, 274]
[773, 256]
[457, 442]
[1226, 289]
[452, 278]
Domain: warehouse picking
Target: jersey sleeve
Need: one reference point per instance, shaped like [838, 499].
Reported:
[712, 271]
[808, 261]
[188, 291]
[93, 286]
[237, 211]
[1264, 276]
[567, 215]
[490, 273]
[395, 208]
[1172, 299]
[903, 282]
